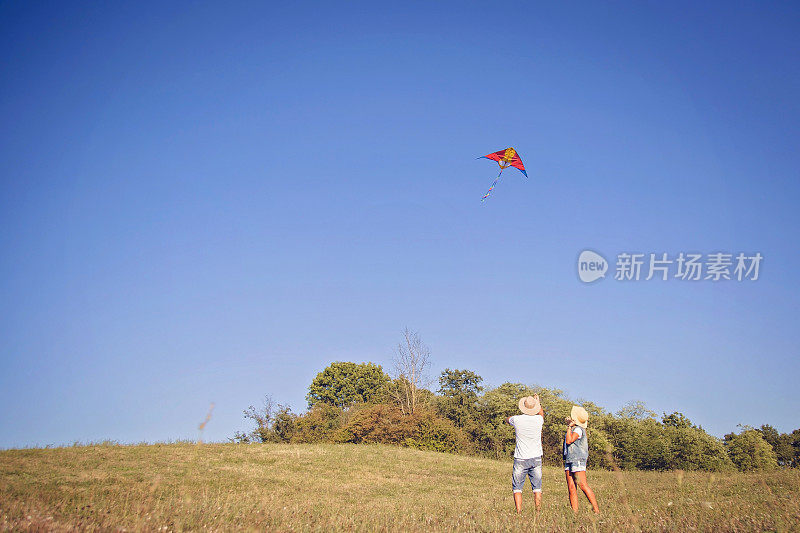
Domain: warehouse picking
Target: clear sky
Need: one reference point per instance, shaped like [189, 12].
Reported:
[209, 203]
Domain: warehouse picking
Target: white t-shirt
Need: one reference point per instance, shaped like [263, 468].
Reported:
[529, 435]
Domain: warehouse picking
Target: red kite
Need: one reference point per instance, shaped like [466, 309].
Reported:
[505, 158]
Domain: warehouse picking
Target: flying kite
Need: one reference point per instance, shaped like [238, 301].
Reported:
[505, 158]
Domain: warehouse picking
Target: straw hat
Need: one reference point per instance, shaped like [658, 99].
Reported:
[579, 415]
[530, 405]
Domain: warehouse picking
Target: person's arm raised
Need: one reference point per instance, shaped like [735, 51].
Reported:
[571, 436]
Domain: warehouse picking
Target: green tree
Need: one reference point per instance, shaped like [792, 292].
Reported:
[496, 405]
[459, 391]
[677, 420]
[460, 383]
[781, 444]
[343, 384]
[794, 440]
[640, 443]
[675, 443]
[637, 410]
[749, 451]
[694, 449]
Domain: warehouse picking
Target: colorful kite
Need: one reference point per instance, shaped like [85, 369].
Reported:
[505, 158]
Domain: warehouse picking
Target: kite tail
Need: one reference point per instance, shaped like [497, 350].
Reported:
[485, 196]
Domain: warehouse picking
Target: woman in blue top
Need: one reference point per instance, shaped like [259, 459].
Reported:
[576, 453]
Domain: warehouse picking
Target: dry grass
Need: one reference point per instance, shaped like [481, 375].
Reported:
[349, 487]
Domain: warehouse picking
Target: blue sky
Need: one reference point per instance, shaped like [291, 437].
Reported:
[209, 203]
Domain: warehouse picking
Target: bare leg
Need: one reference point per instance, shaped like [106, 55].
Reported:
[537, 499]
[573, 491]
[580, 478]
[518, 501]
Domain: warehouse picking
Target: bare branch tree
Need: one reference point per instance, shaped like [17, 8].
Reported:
[411, 362]
[263, 417]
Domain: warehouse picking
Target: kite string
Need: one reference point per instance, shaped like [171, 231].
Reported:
[485, 196]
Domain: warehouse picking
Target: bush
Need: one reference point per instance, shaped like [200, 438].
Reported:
[319, 424]
[351, 402]
[379, 423]
[783, 444]
[600, 448]
[694, 449]
[749, 451]
[646, 444]
[386, 424]
[273, 423]
[438, 434]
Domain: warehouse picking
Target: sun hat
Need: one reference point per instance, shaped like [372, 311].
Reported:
[529, 405]
[579, 415]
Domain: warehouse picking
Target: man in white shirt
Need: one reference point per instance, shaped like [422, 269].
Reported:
[528, 451]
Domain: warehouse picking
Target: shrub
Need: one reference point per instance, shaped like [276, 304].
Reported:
[352, 402]
[694, 449]
[439, 434]
[749, 451]
[319, 424]
[273, 423]
[384, 423]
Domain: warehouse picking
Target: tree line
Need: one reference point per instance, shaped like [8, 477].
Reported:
[360, 403]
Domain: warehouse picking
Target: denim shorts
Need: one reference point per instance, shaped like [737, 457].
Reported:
[575, 466]
[523, 468]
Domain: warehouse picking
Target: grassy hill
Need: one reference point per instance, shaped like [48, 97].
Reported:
[328, 487]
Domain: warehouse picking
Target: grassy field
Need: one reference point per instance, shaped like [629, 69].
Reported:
[173, 487]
